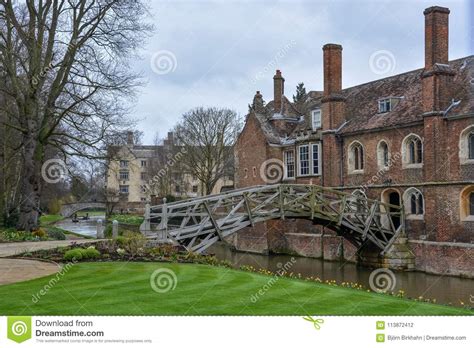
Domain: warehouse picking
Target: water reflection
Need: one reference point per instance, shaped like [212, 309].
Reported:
[83, 227]
[445, 289]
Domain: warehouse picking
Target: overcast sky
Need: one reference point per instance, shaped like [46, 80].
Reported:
[218, 53]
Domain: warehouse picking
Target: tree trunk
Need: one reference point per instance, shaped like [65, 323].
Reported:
[30, 185]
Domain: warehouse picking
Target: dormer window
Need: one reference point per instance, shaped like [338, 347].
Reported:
[385, 105]
[316, 119]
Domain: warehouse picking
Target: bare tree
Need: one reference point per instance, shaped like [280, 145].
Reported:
[208, 135]
[67, 75]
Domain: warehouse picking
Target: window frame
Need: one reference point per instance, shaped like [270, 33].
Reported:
[126, 192]
[415, 153]
[313, 112]
[387, 105]
[356, 161]
[124, 163]
[318, 146]
[308, 160]
[126, 173]
[286, 164]
[414, 196]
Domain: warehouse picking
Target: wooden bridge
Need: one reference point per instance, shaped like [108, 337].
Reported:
[198, 223]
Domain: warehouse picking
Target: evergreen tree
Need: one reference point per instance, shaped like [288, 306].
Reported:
[300, 93]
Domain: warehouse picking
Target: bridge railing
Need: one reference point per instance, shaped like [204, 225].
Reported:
[210, 218]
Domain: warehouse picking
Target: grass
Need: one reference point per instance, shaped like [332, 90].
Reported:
[127, 219]
[111, 288]
[50, 219]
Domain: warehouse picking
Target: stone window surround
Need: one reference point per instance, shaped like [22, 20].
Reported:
[380, 155]
[351, 159]
[405, 161]
[464, 204]
[407, 201]
[464, 145]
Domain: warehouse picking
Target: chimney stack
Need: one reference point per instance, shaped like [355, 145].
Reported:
[436, 36]
[332, 61]
[278, 90]
[437, 75]
[129, 138]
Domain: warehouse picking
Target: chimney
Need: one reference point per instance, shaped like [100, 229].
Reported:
[332, 61]
[436, 36]
[257, 104]
[437, 75]
[278, 91]
[129, 138]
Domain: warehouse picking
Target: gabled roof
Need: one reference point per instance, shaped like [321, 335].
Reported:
[362, 103]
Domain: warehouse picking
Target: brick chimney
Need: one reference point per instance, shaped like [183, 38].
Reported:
[437, 78]
[437, 75]
[436, 36]
[332, 60]
[130, 138]
[333, 114]
[278, 91]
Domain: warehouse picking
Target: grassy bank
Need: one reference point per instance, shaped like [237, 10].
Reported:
[115, 288]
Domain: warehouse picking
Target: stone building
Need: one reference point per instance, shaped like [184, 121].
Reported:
[137, 174]
[406, 139]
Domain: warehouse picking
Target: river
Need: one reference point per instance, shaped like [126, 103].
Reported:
[84, 227]
[445, 289]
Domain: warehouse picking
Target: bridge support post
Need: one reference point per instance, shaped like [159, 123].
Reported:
[397, 257]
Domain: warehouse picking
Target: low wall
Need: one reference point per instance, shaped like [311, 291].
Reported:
[443, 258]
[281, 237]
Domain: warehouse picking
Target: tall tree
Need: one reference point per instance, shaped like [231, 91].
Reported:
[208, 136]
[66, 72]
[301, 95]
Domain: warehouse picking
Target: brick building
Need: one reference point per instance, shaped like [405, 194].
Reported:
[406, 139]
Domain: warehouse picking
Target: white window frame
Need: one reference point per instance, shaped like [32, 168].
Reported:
[318, 146]
[383, 102]
[308, 160]
[286, 163]
[127, 191]
[316, 125]
[406, 152]
[407, 203]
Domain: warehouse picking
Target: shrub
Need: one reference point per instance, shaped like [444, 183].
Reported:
[90, 253]
[56, 234]
[73, 255]
[40, 233]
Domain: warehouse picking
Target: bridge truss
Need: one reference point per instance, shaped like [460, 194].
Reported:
[198, 223]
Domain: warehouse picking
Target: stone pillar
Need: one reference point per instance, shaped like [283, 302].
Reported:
[100, 229]
[115, 229]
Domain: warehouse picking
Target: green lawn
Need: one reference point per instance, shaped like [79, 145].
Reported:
[127, 219]
[49, 219]
[124, 289]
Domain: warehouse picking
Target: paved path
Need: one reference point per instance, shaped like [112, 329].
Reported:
[10, 249]
[16, 270]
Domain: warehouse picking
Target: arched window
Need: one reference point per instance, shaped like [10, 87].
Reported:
[414, 203]
[356, 157]
[466, 146]
[470, 145]
[471, 204]
[412, 150]
[467, 204]
[383, 155]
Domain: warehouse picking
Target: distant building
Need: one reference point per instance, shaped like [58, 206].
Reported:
[138, 174]
[406, 139]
